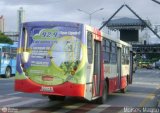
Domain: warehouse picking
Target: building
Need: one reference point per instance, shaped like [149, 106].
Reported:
[157, 27]
[1, 24]
[12, 35]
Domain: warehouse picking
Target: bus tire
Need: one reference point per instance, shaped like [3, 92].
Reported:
[104, 97]
[124, 90]
[8, 72]
[55, 97]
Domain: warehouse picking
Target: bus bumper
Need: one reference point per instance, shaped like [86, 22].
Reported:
[65, 89]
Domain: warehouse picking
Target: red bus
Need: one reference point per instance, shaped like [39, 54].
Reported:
[60, 59]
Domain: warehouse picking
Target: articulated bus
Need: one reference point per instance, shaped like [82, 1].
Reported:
[8, 59]
[60, 59]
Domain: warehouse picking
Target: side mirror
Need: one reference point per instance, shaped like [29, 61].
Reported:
[25, 57]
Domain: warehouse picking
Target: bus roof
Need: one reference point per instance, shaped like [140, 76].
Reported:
[107, 36]
[51, 23]
[4, 44]
[11, 45]
[72, 24]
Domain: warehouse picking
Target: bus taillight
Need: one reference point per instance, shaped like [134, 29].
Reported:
[25, 57]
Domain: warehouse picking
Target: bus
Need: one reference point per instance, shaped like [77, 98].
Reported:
[59, 59]
[8, 59]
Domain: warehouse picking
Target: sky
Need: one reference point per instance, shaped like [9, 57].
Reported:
[66, 10]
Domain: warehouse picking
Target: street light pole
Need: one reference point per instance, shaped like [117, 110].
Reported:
[156, 1]
[90, 14]
[90, 19]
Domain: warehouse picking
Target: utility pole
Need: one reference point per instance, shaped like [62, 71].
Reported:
[158, 2]
[90, 14]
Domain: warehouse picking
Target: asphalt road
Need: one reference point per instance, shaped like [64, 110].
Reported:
[142, 93]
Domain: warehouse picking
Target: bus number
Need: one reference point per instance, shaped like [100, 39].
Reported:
[47, 89]
[49, 34]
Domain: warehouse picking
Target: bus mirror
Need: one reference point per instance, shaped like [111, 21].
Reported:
[25, 57]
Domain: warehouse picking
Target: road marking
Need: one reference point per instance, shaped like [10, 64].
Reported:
[68, 108]
[7, 84]
[131, 94]
[104, 105]
[8, 99]
[19, 104]
[99, 108]
[145, 83]
[7, 79]
[41, 106]
[84, 108]
[148, 98]
[14, 93]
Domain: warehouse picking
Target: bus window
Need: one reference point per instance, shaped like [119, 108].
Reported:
[13, 52]
[90, 47]
[125, 55]
[6, 51]
[113, 53]
[106, 51]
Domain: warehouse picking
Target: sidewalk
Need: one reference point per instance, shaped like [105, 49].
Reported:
[158, 100]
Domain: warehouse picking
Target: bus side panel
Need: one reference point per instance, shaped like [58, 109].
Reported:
[125, 73]
[111, 74]
[132, 68]
[113, 84]
[102, 73]
[3, 68]
[123, 82]
[13, 65]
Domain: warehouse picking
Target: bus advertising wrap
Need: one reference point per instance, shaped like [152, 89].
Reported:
[55, 56]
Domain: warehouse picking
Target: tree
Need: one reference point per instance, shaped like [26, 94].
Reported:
[5, 39]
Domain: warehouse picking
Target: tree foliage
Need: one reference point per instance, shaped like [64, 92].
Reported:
[5, 39]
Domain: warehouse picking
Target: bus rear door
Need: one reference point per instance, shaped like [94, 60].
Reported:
[97, 68]
[119, 66]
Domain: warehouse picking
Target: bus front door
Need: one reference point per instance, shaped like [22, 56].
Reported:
[97, 68]
[131, 68]
[119, 66]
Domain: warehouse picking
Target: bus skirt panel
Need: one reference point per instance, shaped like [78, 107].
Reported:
[123, 82]
[65, 89]
[114, 85]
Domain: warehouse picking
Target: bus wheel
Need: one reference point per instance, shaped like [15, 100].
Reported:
[55, 97]
[8, 72]
[104, 97]
[124, 90]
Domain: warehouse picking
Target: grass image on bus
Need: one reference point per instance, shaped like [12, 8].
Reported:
[60, 59]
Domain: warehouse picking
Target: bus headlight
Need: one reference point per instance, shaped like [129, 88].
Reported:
[25, 57]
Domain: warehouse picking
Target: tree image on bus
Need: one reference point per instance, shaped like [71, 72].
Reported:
[60, 59]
